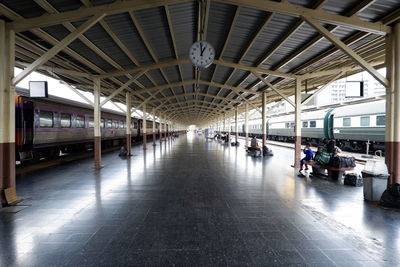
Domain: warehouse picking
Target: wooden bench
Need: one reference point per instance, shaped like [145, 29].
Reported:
[333, 173]
[255, 152]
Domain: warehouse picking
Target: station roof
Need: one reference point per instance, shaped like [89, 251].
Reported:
[142, 45]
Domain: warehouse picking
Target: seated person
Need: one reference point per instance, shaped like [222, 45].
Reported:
[327, 151]
[309, 156]
[123, 152]
[253, 143]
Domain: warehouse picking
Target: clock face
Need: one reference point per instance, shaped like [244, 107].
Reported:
[201, 54]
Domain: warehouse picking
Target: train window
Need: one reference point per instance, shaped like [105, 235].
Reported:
[313, 124]
[115, 124]
[103, 123]
[292, 124]
[364, 121]
[91, 122]
[121, 124]
[65, 120]
[346, 122]
[287, 125]
[380, 120]
[46, 119]
[305, 124]
[80, 121]
[109, 123]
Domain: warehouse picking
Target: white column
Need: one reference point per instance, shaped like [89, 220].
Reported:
[236, 125]
[154, 127]
[97, 120]
[7, 110]
[297, 127]
[264, 119]
[246, 124]
[128, 123]
[144, 127]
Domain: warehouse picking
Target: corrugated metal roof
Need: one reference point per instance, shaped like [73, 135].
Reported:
[153, 22]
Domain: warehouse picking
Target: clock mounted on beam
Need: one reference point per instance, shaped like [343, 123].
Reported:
[201, 54]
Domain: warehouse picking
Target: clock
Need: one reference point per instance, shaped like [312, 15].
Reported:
[201, 54]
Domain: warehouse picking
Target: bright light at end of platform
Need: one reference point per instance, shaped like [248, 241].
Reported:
[192, 127]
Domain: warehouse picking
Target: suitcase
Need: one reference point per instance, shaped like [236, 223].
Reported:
[342, 162]
[353, 179]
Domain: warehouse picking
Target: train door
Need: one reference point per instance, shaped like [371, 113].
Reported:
[28, 123]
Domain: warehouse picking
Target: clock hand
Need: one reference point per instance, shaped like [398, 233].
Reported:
[202, 50]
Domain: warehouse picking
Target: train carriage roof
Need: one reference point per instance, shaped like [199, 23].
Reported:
[377, 107]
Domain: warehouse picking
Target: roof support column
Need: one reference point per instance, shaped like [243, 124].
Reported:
[389, 131]
[236, 125]
[246, 125]
[224, 125]
[154, 127]
[297, 125]
[229, 129]
[396, 106]
[128, 124]
[7, 111]
[264, 119]
[144, 127]
[161, 130]
[97, 120]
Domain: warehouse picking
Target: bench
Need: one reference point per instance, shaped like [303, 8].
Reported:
[333, 173]
[255, 152]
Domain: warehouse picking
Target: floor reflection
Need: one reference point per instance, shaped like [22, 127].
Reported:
[188, 199]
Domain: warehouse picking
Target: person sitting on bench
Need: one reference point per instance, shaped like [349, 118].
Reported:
[254, 144]
[309, 156]
[123, 152]
[328, 150]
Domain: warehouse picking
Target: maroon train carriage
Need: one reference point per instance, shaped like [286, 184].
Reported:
[46, 127]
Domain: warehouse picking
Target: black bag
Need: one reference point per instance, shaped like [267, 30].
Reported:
[353, 179]
[342, 162]
[388, 200]
[395, 190]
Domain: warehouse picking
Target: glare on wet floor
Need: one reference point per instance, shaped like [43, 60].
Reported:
[194, 202]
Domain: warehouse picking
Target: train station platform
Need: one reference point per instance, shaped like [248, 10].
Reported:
[189, 202]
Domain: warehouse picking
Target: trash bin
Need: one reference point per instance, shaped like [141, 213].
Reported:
[375, 176]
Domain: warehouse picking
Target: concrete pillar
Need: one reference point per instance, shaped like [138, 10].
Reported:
[236, 125]
[161, 130]
[264, 119]
[389, 134]
[297, 127]
[144, 127]
[246, 125]
[396, 106]
[154, 127]
[128, 123]
[97, 120]
[229, 128]
[7, 110]
[224, 124]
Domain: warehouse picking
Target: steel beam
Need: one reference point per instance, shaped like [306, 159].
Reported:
[57, 48]
[342, 46]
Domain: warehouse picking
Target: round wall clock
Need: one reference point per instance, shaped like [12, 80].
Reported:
[201, 54]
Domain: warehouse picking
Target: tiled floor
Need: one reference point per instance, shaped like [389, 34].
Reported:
[194, 203]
